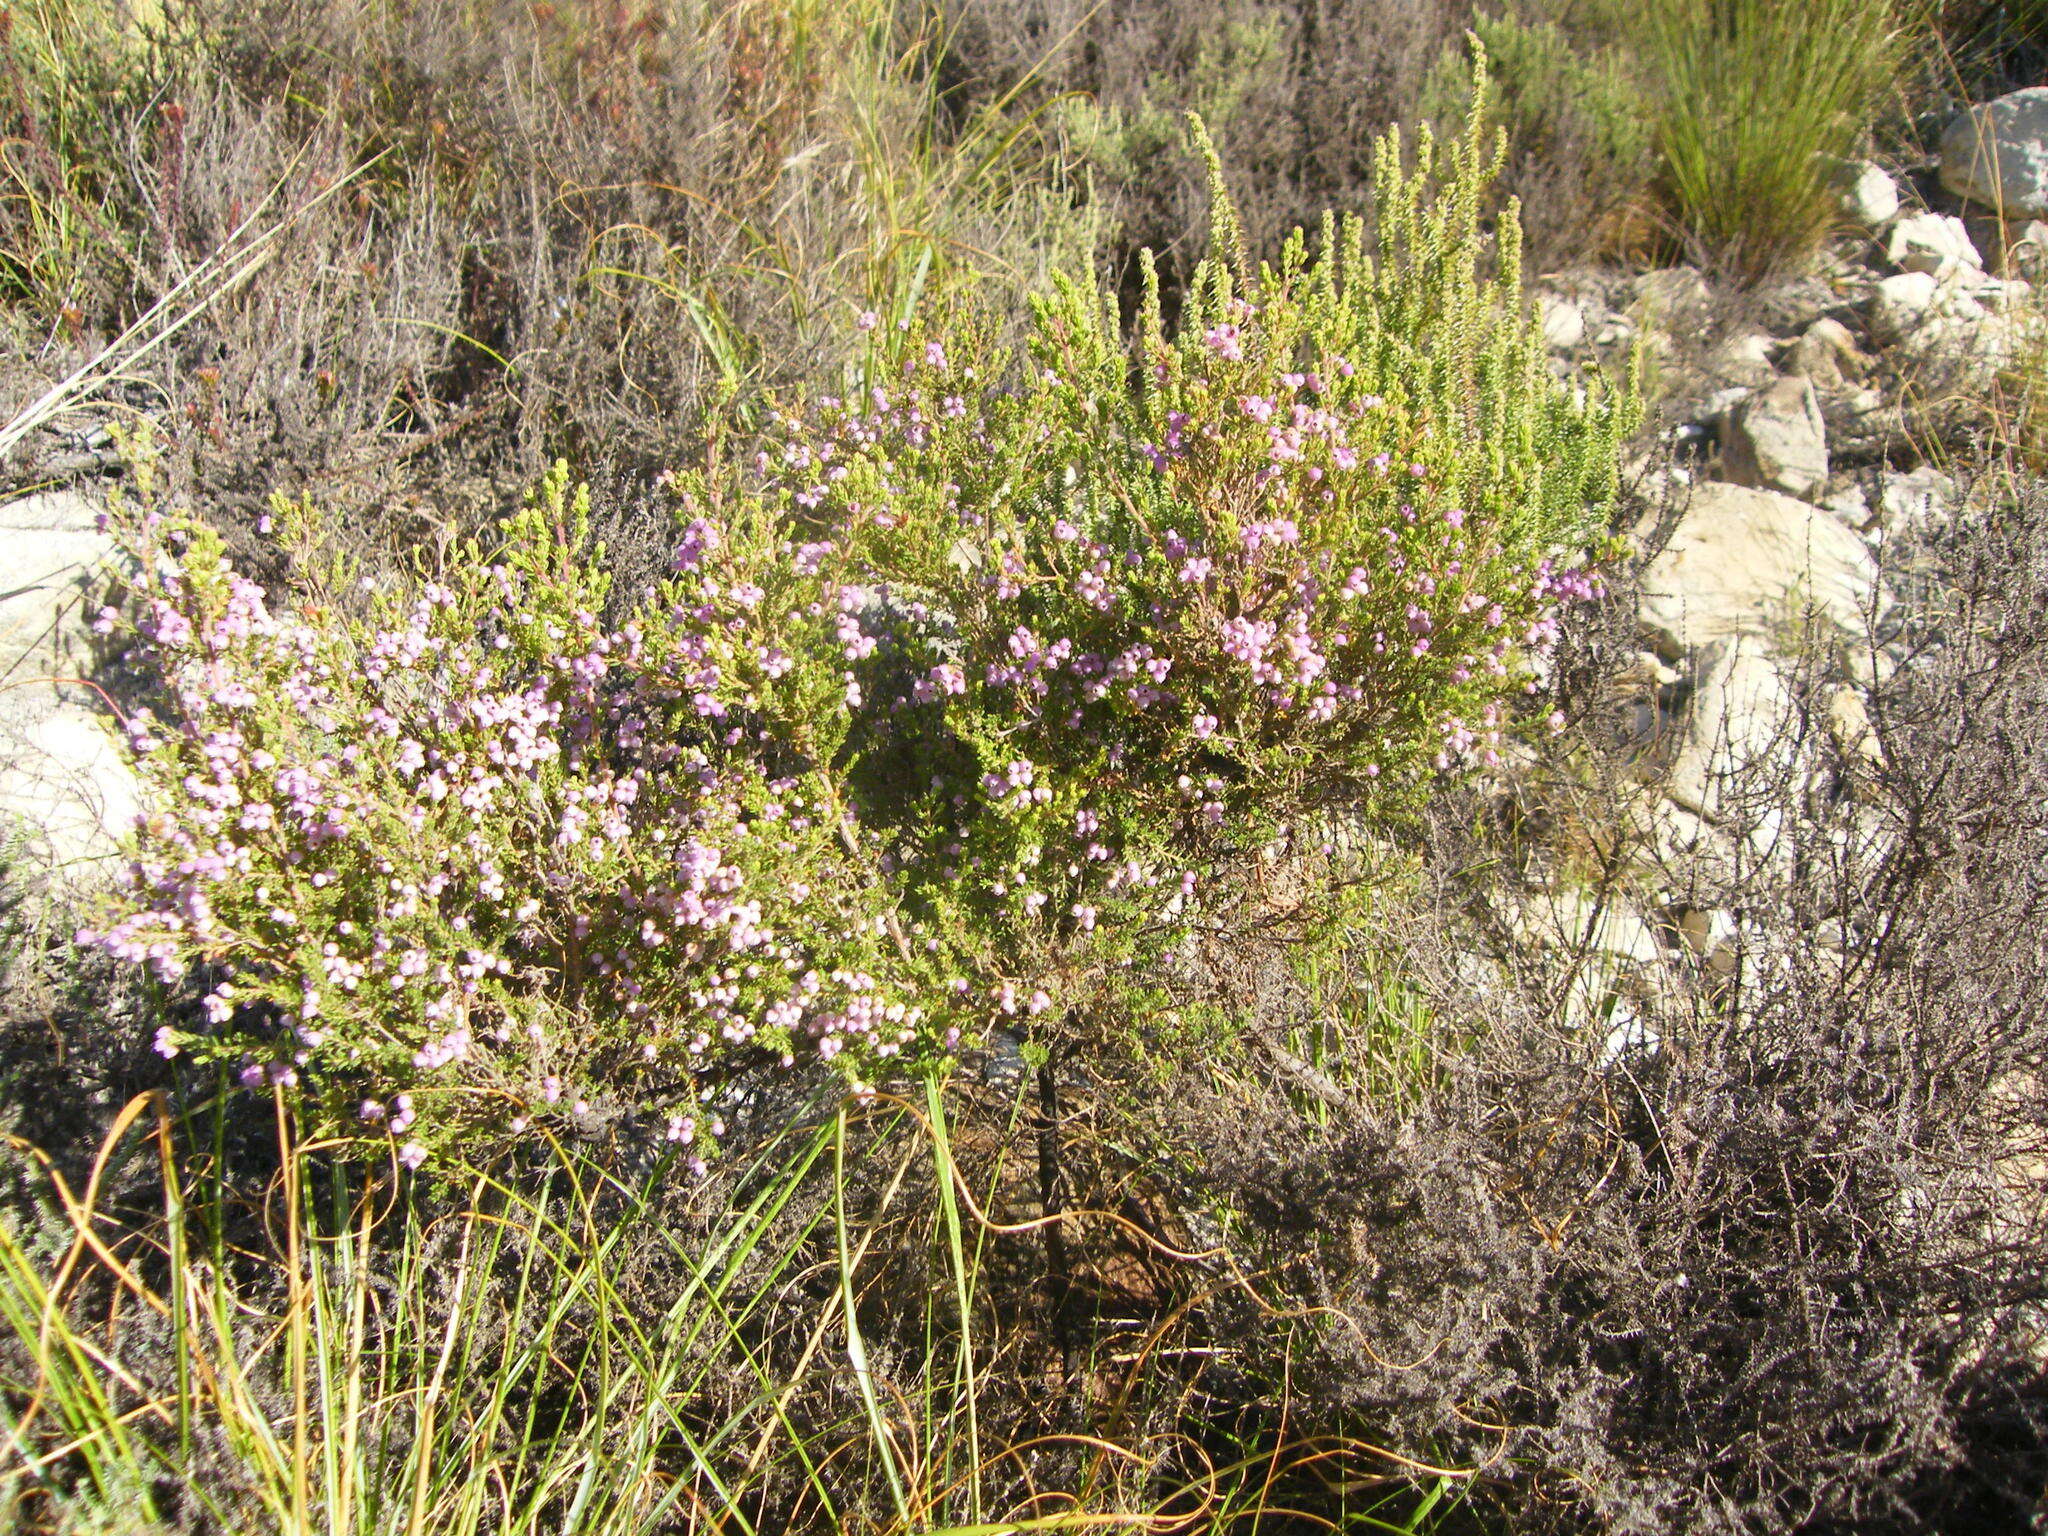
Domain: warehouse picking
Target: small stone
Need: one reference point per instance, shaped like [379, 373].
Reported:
[1777, 441]
[1827, 354]
[1563, 322]
[1932, 242]
[1870, 198]
[1996, 154]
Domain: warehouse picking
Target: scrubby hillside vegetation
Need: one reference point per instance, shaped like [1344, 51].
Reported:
[975, 767]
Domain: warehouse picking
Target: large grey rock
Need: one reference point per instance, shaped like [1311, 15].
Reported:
[1743, 561]
[66, 790]
[1741, 733]
[1996, 154]
[1776, 440]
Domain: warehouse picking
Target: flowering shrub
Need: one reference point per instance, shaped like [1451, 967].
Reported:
[476, 856]
[1126, 612]
[950, 705]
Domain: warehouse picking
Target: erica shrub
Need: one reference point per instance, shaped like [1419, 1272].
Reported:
[949, 708]
[1131, 606]
[477, 857]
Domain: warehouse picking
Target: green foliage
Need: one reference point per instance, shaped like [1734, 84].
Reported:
[1755, 105]
[1236, 61]
[1552, 98]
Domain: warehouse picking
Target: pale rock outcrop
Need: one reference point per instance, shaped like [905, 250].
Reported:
[1753, 562]
[67, 793]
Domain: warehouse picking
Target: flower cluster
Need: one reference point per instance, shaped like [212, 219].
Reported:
[476, 846]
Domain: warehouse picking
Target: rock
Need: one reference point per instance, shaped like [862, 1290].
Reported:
[1932, 242]
[1828, 355]
[1741, 733]
[1850, 725]
[1914, 497]
[65, 784]
[1667, 294]
[1776, 440]
[1563, 322]
[1572, 919]
[1753, 562]
[1870, 198]
[1713, 937]
[1996, 154]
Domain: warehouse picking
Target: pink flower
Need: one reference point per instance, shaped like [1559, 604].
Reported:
[1224, 341]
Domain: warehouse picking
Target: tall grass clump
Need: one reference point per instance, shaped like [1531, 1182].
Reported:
[1755, 104]
[554, 1347]
[952, 703]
